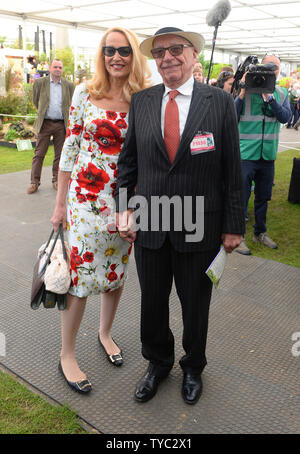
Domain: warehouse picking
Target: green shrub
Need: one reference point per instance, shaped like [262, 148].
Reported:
[30, 120]
[10, 104]
[10, 135]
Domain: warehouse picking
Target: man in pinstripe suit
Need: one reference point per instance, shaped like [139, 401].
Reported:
[145, 168]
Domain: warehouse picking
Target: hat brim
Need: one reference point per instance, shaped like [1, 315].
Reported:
[195, 38]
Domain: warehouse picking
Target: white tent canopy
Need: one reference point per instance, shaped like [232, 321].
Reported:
[252, 27]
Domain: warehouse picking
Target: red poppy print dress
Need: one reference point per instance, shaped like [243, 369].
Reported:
[99, 257]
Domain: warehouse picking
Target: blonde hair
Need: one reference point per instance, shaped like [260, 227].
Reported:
[139, 76]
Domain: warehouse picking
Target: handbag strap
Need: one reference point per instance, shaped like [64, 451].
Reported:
[60, 234]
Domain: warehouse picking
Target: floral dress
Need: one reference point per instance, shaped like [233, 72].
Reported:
[94, 139]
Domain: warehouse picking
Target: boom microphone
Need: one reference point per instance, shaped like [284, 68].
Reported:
[214, 18]
[218, 13]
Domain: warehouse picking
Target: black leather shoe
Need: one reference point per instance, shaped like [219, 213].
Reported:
[116, 360]
[147, 386]
[191, 388]
[83, 386]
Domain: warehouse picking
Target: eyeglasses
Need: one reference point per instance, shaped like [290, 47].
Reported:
[109, 51]
[174, 50]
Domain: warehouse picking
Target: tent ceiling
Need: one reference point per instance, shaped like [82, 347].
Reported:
[252, 27]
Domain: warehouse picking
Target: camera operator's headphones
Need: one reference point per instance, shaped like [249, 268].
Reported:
[223, 77]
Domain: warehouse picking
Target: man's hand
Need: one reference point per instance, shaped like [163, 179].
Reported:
[231, 241]
[126, 225]
[243, 90]
[265, 96]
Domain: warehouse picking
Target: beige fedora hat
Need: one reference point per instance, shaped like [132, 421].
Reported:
[195, 38]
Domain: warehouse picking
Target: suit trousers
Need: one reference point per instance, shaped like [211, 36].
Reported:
[57, 130]
[156, 269]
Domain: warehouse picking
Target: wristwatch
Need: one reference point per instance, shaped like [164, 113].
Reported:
[270, 99]
[242, 84]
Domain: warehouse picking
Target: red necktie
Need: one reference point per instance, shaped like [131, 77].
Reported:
[171, 127]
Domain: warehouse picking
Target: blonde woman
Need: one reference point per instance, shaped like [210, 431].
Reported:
[86, 182]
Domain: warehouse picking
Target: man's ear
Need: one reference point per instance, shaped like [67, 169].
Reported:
[195, 55]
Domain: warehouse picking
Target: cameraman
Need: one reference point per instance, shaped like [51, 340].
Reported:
[259, 118]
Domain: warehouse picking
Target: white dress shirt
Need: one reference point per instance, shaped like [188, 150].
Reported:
[183, 100]
[54, 111]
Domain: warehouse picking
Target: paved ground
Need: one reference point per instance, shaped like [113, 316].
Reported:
[251, 383]
[289, 138]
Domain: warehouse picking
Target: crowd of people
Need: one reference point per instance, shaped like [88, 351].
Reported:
[35, 69]
[116, 135]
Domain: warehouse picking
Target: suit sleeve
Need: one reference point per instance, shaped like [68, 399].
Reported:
[233, 217]
[36, 93]
[127, 165]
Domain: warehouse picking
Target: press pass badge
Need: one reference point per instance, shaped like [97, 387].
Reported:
[202, 142]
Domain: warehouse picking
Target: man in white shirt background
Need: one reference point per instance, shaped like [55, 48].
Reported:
[52, 97]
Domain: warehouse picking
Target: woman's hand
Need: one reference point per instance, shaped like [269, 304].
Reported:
[126, 226]
[60, 210]
[59, 217]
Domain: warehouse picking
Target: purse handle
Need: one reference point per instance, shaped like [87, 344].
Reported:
[59, 233]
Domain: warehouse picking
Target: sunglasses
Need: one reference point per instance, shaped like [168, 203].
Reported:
[109, 51]
[174, 50]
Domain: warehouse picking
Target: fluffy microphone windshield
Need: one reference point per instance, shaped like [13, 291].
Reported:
[218, 13]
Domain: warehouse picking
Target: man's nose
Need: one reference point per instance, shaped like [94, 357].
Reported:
[167, 55]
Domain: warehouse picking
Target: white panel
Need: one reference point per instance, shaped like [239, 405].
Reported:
[22, 6]
[244, 13]
[266, 24]
[130, 8]
[75, 15]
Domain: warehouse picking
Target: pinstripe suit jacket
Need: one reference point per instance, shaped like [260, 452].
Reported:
[144, 164]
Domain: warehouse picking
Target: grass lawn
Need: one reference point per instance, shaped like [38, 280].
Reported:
[12, 160]
[283, 217]
[23, 412]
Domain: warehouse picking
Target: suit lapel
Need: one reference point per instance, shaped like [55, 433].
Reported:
[64, 91]
[154, 111]
[200, 105]
[46, 90]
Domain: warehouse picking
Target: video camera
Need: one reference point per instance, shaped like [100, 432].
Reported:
[259, 79]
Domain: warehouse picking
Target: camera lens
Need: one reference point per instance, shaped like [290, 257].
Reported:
[259, 80]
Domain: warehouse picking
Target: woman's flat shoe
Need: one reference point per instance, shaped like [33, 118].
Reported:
[116, 360]
[83, 386]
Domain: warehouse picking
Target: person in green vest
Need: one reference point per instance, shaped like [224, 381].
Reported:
[294, 98]
[260, 116]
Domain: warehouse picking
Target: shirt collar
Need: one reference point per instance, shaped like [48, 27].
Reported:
[51, 80]
[185, 89]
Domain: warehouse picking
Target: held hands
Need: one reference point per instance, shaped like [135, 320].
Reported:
[126, 225]
[231, 241]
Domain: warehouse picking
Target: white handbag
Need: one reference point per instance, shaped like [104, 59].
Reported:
[57, 277]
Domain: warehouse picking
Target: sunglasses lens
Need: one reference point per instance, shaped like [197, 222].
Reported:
[125, 51]
[158, 53]
[176, 50]
[109, 51]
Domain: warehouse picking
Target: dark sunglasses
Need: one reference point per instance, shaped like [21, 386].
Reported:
[110, 51]
[174, 50]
